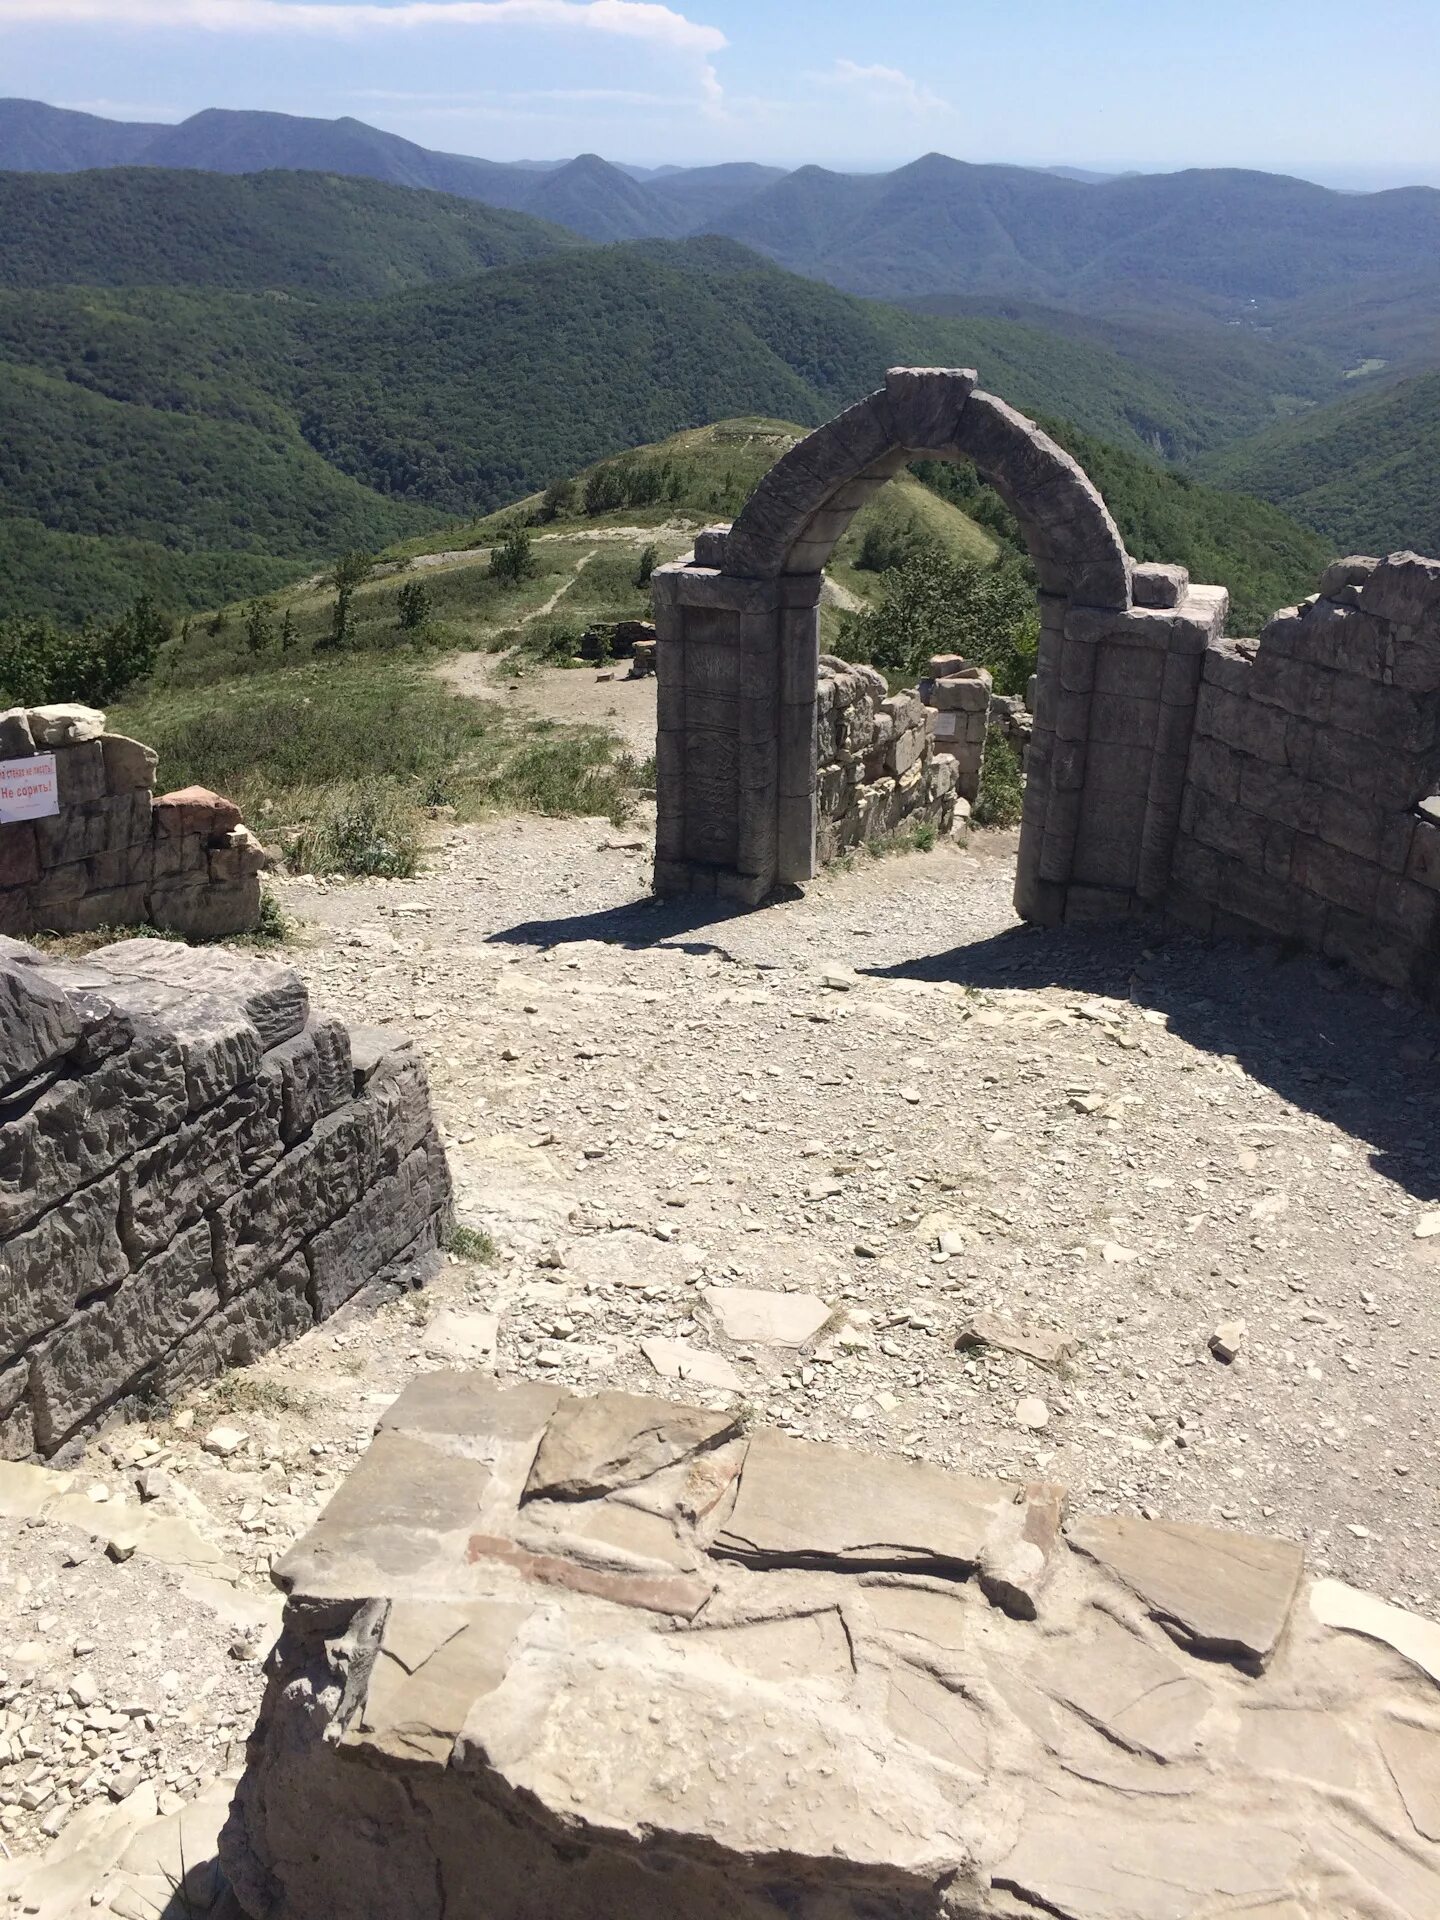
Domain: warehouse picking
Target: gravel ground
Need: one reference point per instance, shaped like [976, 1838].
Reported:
[886, 1095]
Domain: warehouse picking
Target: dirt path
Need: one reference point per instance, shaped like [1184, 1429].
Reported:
[887, 1095]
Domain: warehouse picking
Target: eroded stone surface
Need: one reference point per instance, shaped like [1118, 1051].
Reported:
[589, 1705]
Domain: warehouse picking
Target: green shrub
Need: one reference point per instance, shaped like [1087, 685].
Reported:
[513, 560]
[934, 604]
[40, 662]
[1001, 792]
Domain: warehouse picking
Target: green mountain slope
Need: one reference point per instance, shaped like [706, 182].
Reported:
[1365, 474]
[310, 233]
[224, 422]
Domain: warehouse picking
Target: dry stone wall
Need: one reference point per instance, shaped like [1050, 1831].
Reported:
[194, 1167]
[1310, 808]
[114, 855]
[881, 763]
[613, 1657]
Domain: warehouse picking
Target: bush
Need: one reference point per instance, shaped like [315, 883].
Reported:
[40, 662]
[412, 606]
[933, 604]
[1001, 789]
[514, 559]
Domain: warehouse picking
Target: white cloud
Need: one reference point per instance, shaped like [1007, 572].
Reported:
[644, 20]
[885, 86]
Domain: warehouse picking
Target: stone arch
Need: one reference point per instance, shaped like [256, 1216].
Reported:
[794, 518]
[738, 625]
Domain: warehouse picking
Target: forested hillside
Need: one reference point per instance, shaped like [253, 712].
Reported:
[1366, 474]
[306, 233]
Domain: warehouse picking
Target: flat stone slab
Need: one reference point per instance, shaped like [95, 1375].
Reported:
[677, 1360]
[754, 1315]
[615, 1657]
[1222, 1593]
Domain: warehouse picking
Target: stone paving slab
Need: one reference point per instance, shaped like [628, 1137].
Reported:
[616, 1657]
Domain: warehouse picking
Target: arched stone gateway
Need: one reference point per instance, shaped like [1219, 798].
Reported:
[1119, 665]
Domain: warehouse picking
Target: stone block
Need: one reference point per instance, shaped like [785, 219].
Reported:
[38, 1026]
[193, 810]
[1371, 948]
[121, 870]
[1130, 672]
[81, 1127]
[312, 1073]
[1336, 876]
[1404, 589]
[924, 406]
[80, 773]
[1120, 720]
[65, 725]
[212, 910]
[1277, 794]
[957, 694]
[1410, 910]
[15, 735]
[95, 912]
[88, 1363]
[17, 1429]
[198, 1168]
[1423, 862]
[1154, 584]
[1353, 571]
[391, 1215]
[274, 1311]
[1228, 666]
[69, 1254]
[128, 764]
[271, 994]
[905, 751]
[1217, 769]
[92, 826]
[19, 858]
[310, 1187]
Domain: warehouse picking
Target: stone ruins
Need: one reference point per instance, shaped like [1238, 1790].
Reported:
[881, 762]
[114, 855]
[1285, 786]
[618, 1658]
[193, 1168]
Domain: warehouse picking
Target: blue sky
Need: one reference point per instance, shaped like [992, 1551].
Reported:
[1333, 91]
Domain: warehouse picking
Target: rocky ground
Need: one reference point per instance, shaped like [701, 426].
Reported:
[899, 1116]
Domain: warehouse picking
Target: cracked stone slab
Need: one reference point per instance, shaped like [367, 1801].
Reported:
[593, 1446]
[1412, 1753]
[803, 1503]
[1228, 1594]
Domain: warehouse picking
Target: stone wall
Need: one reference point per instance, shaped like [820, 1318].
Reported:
[881, 765]
[1309, 809]
[627, 1660]
[193, 1168]
[114, 855]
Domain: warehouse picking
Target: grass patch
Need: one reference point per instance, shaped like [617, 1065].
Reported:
[470, 1243]
[245, 1392]
[1002, 790]
[339, 761]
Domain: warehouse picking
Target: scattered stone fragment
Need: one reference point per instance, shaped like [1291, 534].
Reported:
[1033, 1414]
[463, 1339]
[676, 1360]
[753, 1314]
[223, 1442]
[1046, 1346]
[1226, 1340]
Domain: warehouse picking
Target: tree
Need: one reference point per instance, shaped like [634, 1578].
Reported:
[559, 497]
[287, 631]
[605, 489]
[649, 560]
[413, 606]
[40, 662]
[933, 604]
[513, 560]
[259, 627]
[351, 570]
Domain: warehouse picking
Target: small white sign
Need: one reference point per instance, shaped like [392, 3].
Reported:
[28, 790]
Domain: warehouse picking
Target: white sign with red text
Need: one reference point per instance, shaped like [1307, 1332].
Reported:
[28, 789]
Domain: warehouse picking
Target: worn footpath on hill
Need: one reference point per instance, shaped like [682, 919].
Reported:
[794, 1155]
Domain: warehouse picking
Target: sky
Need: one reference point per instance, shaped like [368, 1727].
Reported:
[1320, 88]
